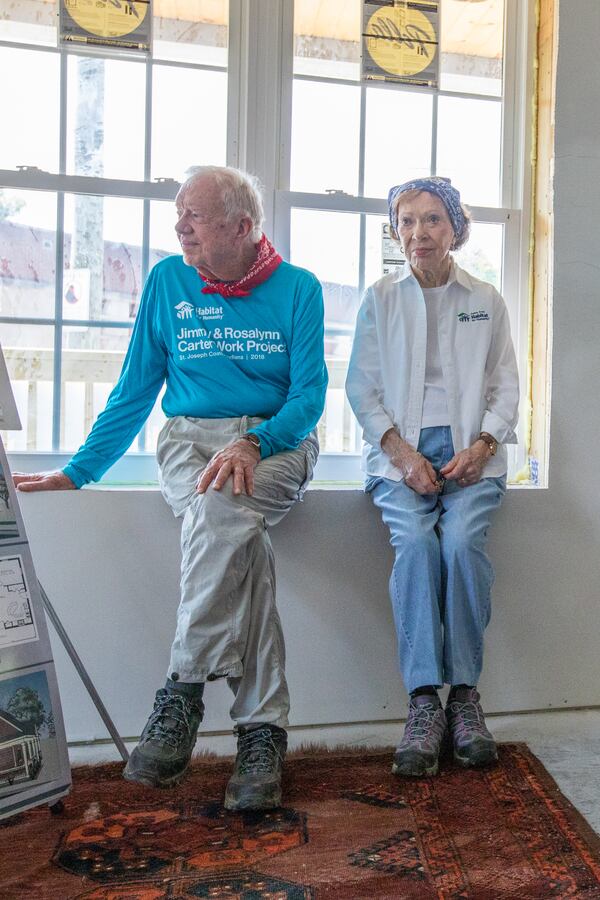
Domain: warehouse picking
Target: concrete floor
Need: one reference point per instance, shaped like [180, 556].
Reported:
[567, 742]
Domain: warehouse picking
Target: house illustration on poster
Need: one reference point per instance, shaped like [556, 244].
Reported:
[20, 752]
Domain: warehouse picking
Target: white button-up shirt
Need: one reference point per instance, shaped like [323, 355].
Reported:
[386, 375]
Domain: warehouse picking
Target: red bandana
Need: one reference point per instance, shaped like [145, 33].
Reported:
[265, 264]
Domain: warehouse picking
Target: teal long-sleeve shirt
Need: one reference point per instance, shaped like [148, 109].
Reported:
[260, 355]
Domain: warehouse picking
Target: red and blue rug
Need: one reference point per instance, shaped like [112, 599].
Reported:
[349, 830]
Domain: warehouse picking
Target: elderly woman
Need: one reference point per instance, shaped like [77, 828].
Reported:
[433, 381]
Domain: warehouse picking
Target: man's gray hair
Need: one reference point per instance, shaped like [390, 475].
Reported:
[241, 193]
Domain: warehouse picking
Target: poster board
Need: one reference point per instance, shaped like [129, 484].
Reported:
[34, 761]
[111, 26]
[401, 42]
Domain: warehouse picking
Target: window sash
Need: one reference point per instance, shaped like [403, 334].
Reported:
[33, 179]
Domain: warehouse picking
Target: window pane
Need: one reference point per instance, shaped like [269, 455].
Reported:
[391, 158]
[181, 135]
[328, 244]
[469, 148]
[102, 274]
[27, 253]
[472, 46]
[163, 240]
[28, 21]
[29, 354]
[482, 254]
[29, 109]
[191, 31]
[91, 364]
[105, 118]
[148, 437]
[325, 137]
[327, 38]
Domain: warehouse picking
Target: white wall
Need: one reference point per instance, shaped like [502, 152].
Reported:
[109, 560]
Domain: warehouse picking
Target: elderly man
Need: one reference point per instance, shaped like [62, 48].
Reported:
[237, 336]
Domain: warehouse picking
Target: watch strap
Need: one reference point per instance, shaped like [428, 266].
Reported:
[252, 439]
[490, 440]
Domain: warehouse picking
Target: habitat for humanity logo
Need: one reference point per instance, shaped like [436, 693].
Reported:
[478, 316]
[185, 310]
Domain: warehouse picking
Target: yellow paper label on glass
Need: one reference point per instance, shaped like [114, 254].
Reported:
[107, 18]
[400, 41]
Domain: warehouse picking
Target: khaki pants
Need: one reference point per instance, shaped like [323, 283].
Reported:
[227, 621]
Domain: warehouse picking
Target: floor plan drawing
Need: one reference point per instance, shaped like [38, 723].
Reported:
[17, 624]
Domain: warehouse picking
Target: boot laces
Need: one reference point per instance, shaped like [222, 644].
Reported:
[170, 720]
[468, 718]
[420, 722]
[257, 752]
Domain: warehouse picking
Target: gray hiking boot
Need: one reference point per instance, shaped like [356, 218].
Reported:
[256, 779]
[424, 733]
[473, 744]
[165, 748]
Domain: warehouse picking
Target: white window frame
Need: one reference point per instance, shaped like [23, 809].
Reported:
[138, 466]
[260, 80]
[513, 213]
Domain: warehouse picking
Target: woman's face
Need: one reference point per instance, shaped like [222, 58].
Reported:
[425, 231]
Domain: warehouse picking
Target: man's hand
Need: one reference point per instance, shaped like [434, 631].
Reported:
[466, 467]
[43, 481]
[418, 472]
[237, 460]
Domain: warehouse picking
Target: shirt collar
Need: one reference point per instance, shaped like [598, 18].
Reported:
[456, 274]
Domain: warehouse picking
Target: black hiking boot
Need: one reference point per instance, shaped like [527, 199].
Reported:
[256, 779]
[165, 748]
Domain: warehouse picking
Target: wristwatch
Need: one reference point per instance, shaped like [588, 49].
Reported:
[252, 439]
[490, 440]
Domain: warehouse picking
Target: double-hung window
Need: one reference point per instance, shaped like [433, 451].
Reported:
[93, 147]
[352, 139]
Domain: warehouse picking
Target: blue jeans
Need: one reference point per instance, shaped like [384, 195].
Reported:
[442, 577]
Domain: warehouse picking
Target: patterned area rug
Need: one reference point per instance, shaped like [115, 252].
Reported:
[349, 830]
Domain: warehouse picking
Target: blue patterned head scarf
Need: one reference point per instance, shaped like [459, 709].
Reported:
[441, 187]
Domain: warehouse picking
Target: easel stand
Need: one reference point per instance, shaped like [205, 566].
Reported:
[81, 671]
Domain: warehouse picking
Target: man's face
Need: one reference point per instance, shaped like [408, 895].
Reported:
[208, 241]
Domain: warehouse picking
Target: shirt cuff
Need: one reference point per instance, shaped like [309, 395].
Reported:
[76, 475]
[498, 428]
